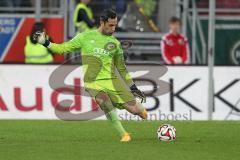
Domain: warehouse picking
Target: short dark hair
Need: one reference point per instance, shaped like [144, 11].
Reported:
[174, 20]
[108, 13]
[37, 27]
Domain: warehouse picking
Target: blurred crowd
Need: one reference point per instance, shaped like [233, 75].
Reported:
[135, 16]
[28, 3]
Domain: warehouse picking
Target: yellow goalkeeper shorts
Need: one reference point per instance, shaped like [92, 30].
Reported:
[117, 91]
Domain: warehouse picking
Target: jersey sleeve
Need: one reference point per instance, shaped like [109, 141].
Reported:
[166, 52]
[121, 67]
[67, 47]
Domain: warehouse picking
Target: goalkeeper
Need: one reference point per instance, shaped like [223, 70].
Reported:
[101, 56]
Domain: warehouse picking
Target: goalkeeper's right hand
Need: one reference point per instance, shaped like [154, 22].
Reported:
[41, 38]
[137, 93]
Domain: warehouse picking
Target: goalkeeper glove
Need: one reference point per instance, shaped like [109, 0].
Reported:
[41, 38]
[137, 93]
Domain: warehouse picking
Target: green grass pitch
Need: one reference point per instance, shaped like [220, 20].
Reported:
[97, 140]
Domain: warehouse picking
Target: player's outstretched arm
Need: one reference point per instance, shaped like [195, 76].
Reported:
[122, 69]
[66, 47]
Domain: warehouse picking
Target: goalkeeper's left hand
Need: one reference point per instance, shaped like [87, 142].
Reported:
[137, 93]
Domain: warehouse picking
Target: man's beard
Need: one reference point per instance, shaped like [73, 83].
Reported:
[107, 34]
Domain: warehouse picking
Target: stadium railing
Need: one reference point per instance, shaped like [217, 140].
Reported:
[145, 45]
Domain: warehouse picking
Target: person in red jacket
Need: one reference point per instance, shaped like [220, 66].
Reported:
[174, 46]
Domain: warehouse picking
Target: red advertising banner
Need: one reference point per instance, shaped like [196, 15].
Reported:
[13, 32]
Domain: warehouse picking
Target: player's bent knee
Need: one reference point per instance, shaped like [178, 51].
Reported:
[101, 98]
[104, 101]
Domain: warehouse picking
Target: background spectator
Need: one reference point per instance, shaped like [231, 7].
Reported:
[34, 52]
[174, 46]
[83, 16]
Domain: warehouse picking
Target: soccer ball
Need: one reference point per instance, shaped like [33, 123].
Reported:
[166, 132]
